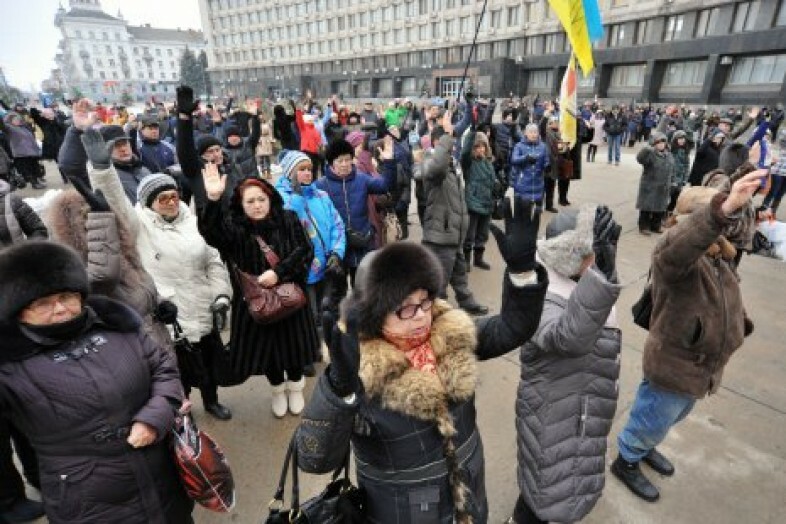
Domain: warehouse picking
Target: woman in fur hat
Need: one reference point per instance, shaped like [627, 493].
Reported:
[94, 394]
[402, 380]
[655, 183]
[279, 350]
[569, 372]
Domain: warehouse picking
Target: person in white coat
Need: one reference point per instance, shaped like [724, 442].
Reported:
[185, 269]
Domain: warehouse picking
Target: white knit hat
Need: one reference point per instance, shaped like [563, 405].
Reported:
[150, 186]
[568, 240]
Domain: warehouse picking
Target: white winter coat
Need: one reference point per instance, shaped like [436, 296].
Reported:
[185, 269]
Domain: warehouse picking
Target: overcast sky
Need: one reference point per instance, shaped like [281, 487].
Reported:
[28, 39]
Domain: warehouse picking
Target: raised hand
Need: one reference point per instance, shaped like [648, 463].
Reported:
[344, 348]
[96, 200]
[606, 235]
[447, 123]
[186, 104]
[387, 151]
[742, 191]
[518, 244]
[82, 116]
[215, 182]
[96, 149]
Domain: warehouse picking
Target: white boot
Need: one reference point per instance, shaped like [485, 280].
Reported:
[280, 400]
[295, 396]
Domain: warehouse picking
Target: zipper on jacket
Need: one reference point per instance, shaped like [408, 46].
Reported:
[583, 418]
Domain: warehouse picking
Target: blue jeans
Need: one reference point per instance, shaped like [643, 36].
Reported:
[614, 147]
[653, 414]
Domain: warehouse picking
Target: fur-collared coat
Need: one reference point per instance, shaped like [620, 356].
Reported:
[414, 435]
[109, 250]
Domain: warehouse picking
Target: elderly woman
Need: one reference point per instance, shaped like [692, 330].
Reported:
[279, 350]
[95, 395]
[186, 271]
[402, 380]
[655, 183]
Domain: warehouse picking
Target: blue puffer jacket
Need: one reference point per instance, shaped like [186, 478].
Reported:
[350, 197]
[530, 161]
[156, 155]
[321, 221]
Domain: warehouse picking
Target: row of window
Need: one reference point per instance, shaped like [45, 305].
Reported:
[136, 50]
[113, 75]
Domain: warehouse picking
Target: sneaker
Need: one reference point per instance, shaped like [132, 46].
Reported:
[630, 475]
[280, 402]
[295, 396]
[659, 463]
[23, 510]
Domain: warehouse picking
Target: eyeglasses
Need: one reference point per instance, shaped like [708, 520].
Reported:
[410, 310]
[47, 304]
[168, 198]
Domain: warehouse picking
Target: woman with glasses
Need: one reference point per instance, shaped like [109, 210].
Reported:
[186, 271]
[95, 395]
[401, 384]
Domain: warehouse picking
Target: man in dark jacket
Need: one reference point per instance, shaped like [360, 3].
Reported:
[614, 126]
[698, 321]
[446, 218]
[155, 154]
[503, 137]
[239, 151]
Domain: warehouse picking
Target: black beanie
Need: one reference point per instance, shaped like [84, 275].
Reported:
[389, 275]
[34, 269]
[232, 131]
[206, 141]
[337, 148]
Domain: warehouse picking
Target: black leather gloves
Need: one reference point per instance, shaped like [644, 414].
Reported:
[95, 200]
[186, 104]
[606, 235]
[518, 244]
[96, 149]
[344, 348]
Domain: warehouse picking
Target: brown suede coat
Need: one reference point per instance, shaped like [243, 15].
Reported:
[698, 319]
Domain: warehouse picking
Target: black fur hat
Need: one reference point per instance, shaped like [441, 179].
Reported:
[386, 277]
[338, 148]
[733, 156]
[34, 269]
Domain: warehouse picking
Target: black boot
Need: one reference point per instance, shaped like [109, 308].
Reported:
[659, 463]
[22, 510]
[468, 259]
[218, 410]
[479, 262]
[634, 479]
[472, 307]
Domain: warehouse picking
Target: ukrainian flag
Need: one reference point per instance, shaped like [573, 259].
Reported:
[582, 23]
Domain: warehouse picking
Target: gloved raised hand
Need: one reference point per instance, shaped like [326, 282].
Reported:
[606, 234]
[344, 348]
[186, 104]
[96, 200]
[219, 308]
[518, 244]
[166, 312]
[96, 149]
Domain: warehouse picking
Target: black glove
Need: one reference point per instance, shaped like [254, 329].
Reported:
[186, 104]
[219, 308]
[344, 348]
[96, 149]
[166, 312]
[95, 200]
[530, 160]
[606, 234]
[518, 244]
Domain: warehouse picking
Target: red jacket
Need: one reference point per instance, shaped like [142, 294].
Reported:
[310, 139]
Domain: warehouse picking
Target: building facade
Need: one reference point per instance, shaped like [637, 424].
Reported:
[106, 59]
[706, 51]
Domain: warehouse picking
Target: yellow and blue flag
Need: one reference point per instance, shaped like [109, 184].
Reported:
[582, 23]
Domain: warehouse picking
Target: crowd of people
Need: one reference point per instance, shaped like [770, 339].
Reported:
[119, 297]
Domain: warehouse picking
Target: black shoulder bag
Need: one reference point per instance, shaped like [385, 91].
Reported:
[642, 309]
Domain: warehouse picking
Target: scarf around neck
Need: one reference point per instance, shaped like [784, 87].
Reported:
[417, 349]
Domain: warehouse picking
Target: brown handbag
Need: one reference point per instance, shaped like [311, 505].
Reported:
[269, 304]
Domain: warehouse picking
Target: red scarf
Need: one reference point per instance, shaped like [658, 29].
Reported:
[417, 349]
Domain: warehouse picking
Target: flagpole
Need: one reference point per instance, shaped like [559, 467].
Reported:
[472, 47]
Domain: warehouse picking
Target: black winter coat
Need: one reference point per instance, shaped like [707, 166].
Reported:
[288, 344]
[54, 132]
[707, 159]
[405, 421]
[76, 401]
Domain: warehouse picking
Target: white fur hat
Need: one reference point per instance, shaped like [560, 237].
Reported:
[568, 240]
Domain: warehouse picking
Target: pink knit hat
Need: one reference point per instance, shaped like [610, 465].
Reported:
[356, 138]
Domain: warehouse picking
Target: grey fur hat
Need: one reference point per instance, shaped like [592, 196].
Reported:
[386, 277]
[34, 269]
[568, 240]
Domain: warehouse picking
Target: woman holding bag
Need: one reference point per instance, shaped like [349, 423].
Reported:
[257, 220]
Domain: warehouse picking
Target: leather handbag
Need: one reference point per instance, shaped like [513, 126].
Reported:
[203, 467]
[642, 308]
[339, 503]
[268, 305]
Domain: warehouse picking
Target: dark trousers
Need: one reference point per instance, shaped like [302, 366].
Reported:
[523, 514]
[651, 220]
[455, 267]
[592, 149]
[562, 185]
[27, 167]
[206, 347]
[478, 231]
[12, 487]
[674, 194]
[316, 294]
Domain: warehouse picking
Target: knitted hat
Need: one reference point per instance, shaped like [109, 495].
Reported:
[481, 138]
[355, 138]
[34, 269]
[568, 240]
[338, 148]
[389, 275]
[231, 130]
[289, 162]
[205, 142]
[150, 186]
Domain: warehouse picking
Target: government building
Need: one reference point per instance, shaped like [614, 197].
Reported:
[692, 51]
[104, 58]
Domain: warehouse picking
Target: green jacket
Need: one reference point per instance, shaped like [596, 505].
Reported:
[479, 178]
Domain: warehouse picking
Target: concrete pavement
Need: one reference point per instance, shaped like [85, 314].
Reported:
[730, 453]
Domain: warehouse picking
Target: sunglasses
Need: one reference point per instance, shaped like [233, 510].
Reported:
[167, 198]
[410, 310]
